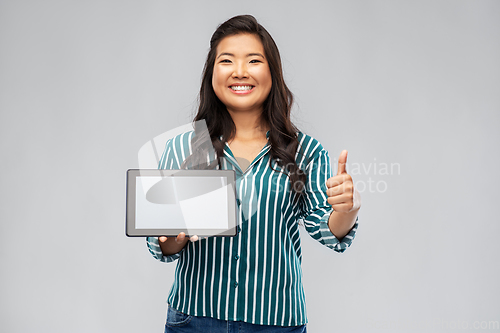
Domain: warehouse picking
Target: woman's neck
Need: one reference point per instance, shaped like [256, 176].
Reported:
[249, 125]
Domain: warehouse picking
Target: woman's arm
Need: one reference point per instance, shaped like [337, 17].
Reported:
[341, 223]
[344, 198]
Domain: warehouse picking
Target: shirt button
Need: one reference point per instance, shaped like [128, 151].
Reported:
[238, 201]
[236, 257]
[236, 284]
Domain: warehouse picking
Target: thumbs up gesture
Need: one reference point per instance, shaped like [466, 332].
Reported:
[342, 194]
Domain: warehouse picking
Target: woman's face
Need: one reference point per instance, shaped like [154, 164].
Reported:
[241, 78]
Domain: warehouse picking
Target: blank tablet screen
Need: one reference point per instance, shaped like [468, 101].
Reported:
[166, 202]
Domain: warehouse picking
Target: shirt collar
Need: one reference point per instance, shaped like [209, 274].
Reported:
[267, 135]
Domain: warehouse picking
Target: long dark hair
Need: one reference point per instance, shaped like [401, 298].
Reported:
[276, 113]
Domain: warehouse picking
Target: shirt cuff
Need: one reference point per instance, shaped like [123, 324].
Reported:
[155, 249]
[329, 238]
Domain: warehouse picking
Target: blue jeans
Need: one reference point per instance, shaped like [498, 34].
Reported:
[181, 322]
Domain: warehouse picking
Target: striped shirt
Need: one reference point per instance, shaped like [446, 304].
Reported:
[255, 276]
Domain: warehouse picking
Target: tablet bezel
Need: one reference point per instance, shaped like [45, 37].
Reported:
[130, 226]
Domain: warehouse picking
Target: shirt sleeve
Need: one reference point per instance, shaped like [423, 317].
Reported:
[316, 210]
[168, 160]
[155, 250]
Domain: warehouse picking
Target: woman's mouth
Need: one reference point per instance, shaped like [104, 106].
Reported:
[243, 89]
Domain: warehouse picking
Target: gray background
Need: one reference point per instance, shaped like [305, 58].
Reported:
[84, 84]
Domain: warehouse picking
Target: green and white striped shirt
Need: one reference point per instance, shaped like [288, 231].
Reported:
[255, 276]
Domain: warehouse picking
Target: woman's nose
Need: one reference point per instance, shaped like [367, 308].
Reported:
[240, 71]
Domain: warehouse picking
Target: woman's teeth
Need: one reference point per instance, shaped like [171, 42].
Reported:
[241, 88]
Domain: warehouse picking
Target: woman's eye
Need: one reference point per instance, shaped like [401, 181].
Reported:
[254, 61]
[226, 60]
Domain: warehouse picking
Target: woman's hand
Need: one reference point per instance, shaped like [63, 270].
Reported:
[172, 245]
[342, 194]
[344, 198]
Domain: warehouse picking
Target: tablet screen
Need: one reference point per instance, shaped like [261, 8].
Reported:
[166, 202]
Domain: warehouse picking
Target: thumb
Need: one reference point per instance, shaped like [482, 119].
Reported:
[342, 162]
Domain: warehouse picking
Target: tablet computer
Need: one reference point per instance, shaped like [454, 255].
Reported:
[167, 202]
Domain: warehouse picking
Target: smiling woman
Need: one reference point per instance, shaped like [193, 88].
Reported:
[242, 79]
[253, 281]
[237, 38]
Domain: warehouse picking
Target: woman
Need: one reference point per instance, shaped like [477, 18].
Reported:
[253, 281]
